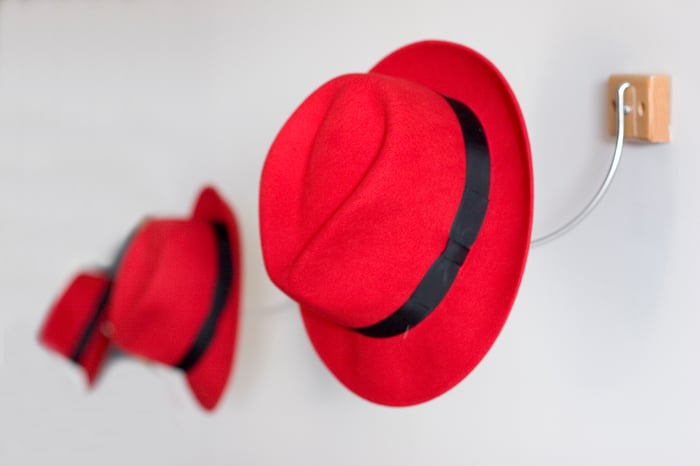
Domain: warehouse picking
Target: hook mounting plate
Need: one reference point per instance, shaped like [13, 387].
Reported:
[648, 99]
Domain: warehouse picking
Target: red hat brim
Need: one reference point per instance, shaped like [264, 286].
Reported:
[209, 377]
[431, 358]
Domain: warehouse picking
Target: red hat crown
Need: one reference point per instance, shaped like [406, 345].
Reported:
[382, 164]
[164, 288]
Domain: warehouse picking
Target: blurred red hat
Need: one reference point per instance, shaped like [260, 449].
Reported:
[73, 327]
[173, 299]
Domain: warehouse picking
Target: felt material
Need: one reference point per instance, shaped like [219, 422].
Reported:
[163, 292]
[357, 197]
[69, 318]
[342, 194]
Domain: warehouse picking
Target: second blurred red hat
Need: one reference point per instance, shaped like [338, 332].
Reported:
[173, 299]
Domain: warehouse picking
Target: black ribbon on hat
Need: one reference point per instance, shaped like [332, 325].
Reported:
[98, 313]
[222, 288]
[92, 324]
[221, 292]
[465, 228]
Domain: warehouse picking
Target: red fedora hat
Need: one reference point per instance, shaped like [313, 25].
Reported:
[396, 209]
[173, 299]
[80, 307]
[176, 295]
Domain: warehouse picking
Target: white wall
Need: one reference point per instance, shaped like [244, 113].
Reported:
[110, 109]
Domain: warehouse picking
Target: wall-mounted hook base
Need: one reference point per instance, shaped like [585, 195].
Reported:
[649, 102]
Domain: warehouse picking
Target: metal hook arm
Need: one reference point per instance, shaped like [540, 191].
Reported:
[621, 110]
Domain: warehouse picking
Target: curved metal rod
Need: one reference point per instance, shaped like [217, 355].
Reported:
[622, 109]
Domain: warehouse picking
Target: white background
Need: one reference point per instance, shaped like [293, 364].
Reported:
[111, 109]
